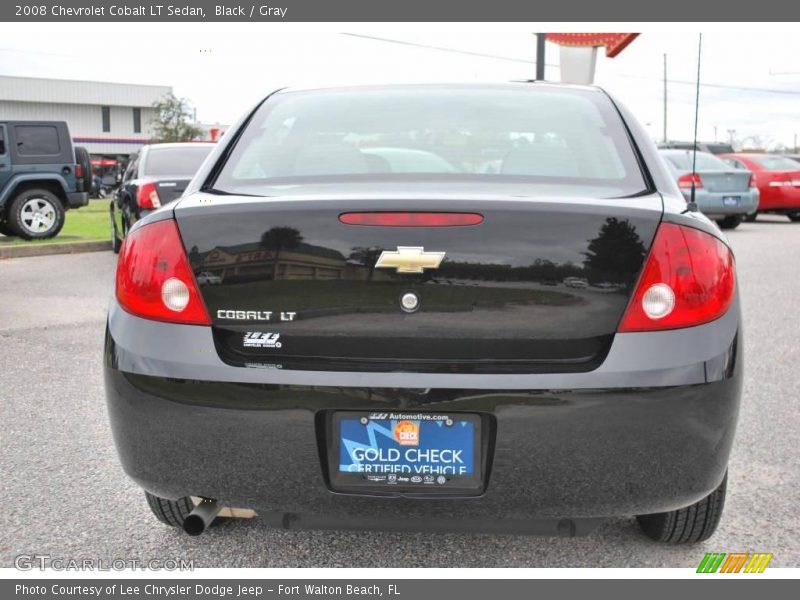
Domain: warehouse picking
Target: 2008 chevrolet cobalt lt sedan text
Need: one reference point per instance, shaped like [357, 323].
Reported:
[392, 337]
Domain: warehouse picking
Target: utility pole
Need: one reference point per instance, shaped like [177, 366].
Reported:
[665, 97]
[731, 135]
[795, 143]
[540, 40]
[715, 134]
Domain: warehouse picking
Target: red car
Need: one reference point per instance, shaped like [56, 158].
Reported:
[778, 181]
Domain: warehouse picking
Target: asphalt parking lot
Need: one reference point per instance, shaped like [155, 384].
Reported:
[66, 496]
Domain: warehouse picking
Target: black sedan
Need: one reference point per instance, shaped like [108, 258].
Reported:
[349, 319]
[156, 175]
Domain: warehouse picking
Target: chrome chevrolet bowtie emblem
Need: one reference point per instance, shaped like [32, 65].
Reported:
[409, 259]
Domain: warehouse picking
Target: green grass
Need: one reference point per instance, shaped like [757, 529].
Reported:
[88, 223]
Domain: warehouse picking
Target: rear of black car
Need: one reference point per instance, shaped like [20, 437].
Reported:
[377, 339]
[156, 175]
[170, 167]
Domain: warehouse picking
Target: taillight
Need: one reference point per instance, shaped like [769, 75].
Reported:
[781, 180]
[685, 181]
[79, 171]
[753, 181]
[411, 219]
[154, 280]
[147, 196]
[688, 280]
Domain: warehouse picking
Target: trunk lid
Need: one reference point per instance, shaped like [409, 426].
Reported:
[725, 181]
[538, 286]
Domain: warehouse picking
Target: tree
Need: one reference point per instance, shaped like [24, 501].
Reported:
[366, 256]
[277, 239]
[173, 120]
[616, 253]
[194, 256]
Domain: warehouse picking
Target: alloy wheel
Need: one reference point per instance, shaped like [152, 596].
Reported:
[38, 215]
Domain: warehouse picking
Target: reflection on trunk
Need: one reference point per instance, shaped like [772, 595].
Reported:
[278, 238]
[535, 287]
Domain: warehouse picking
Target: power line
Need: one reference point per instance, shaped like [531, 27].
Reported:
[738, 88]
[443, 49]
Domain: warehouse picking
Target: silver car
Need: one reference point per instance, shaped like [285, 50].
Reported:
[722, 193]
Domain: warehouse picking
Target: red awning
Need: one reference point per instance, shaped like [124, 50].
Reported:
[614, 42]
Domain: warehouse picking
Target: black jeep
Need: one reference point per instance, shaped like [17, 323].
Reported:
[41, 176]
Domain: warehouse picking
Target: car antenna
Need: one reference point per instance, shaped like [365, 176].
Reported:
[692, 205]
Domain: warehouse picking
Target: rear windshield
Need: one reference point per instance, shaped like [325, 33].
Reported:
[719, 148]
[705, 162]
[176, 161]
[533, 135]
[776, 163]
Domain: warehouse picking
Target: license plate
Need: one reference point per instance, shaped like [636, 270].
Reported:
[731, 200]
[407, 451]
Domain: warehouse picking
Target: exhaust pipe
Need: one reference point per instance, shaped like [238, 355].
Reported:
[201, 516]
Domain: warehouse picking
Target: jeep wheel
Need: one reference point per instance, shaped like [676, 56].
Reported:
[36, 214]
[689, 525]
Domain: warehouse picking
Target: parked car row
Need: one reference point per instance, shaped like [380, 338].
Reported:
[732, 187]
[728, 187]
[42, 175]
[722, 193]
[778, 181]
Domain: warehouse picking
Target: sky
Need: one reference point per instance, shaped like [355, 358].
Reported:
[751, 78]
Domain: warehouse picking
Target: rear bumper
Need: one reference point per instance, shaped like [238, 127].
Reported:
[780, 199]
[77, 199]
[712, 204]
[598, 444]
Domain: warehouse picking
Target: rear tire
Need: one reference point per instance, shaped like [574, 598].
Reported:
[695, 523]
[36, 214]
[170, 512]
[751, 218]
[730, 222]
[85, 161]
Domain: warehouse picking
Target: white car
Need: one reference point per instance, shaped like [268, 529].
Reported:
[206, 278]
[576, 282]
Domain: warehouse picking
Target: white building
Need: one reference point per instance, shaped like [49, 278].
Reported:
[108, 119]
